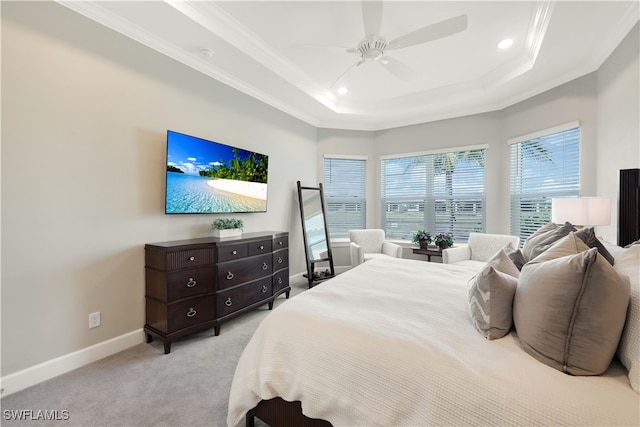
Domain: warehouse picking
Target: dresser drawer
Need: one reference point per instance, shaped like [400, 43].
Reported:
[237, 272]
[232, 252]
[189, 258]
[189, 283]
[243, 296]
[259, 248]
[280, 280]
[190, 312]
[175, 285]
[169, 318]
[280, 243]
[280, 259]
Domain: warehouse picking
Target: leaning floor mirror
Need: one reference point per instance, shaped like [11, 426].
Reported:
[315, 233]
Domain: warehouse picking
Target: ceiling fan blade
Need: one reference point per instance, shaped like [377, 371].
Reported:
[372, 17]
[357, 64]
[398, 69]
[431, 32]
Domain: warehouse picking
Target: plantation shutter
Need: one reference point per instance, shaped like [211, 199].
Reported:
[438, 192]
[345, 194]
[543, 166]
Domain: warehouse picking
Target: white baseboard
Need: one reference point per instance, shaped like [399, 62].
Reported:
[52, 368]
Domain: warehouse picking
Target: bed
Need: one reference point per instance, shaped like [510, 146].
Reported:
[391, 343]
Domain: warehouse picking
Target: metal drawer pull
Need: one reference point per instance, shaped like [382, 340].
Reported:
[191, 312]
[279, 280]
[280, 243]
[261, 247]
[279, 260]
[192, 258]
[228, 302]
[234, 252]
[264, 266]
[191, 283]
[230, 276]
[264, 289]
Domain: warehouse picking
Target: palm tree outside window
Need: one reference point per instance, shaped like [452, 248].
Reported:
[544, 165]
[439, 192]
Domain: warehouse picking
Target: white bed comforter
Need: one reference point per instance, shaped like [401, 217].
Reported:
[391, 343]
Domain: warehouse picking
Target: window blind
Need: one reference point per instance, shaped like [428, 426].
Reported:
[542, 167]
[440, 192]
[345, 194]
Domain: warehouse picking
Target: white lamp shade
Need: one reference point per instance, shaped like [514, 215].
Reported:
[581, 210]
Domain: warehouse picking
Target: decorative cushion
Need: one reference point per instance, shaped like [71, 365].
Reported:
[490, 294]
[628, 263]
[543, 238]
[567, 245]
[530, 241]
[569, 311]
[517, 258]
[588, 236]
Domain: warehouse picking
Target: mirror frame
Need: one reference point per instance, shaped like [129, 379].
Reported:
[312, 276]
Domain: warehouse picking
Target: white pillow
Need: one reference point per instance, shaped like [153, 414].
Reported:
[628, 263]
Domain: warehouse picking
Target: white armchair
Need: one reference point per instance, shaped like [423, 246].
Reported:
[479, 249]
[371, 243]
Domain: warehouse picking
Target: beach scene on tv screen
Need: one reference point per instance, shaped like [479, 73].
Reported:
[209, 177]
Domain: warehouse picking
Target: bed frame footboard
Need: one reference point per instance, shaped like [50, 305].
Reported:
[278, 412]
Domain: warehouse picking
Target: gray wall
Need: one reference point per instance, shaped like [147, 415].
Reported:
[84, 119]
[84, 116]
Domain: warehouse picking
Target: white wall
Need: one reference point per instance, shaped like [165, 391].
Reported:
[84, 119]
[618, 122]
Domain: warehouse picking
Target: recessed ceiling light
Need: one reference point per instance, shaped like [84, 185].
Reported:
[505, 44]
[342, 90]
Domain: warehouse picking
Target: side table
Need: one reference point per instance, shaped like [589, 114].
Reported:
[429, 252]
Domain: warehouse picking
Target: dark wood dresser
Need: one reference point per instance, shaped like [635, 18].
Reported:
[196, 284]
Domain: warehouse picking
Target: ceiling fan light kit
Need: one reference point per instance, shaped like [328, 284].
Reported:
[372, 51]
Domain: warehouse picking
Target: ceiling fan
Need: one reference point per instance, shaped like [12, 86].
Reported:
[373, 47]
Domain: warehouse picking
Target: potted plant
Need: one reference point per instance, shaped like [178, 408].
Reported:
[227, 227]
[443, 240]
[422, 238]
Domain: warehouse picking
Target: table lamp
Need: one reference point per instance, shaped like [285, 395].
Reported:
[581, 211]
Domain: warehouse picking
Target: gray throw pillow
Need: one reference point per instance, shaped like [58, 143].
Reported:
[569, 311]
[517, 258]
[588, 236]
[490, 294]
[544, 238]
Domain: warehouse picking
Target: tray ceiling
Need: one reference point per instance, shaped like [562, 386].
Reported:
[295, 55]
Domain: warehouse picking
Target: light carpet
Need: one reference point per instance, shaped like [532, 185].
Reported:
[142, 386]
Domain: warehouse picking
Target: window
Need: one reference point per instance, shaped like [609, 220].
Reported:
[439, 192]
[543, 166]
[345, 194]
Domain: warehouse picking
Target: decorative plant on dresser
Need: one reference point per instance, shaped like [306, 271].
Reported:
[196, 284]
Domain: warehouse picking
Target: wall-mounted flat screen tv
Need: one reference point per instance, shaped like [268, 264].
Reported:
[206, 177]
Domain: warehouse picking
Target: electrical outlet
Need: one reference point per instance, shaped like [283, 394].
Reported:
[94, 320]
